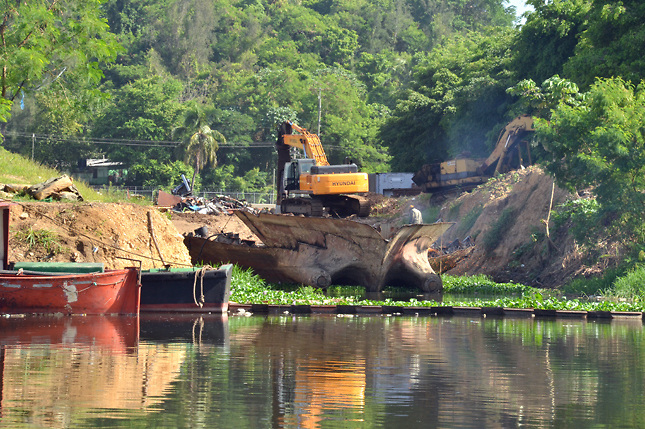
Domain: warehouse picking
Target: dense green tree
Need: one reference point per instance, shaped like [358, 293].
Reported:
[202, 149]
[144, 110]
[157, 174]
[53, 47]
[600, 143]
[457, 104]
[612, 43]
[384, 75]
[349, 126]
[185, 35]
[253, 64]
[548, 38]
[541, 101]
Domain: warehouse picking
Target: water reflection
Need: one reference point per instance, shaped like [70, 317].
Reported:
[319, 371]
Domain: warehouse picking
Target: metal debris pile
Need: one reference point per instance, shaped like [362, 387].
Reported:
[439, 248]
[217, 205]
[220, 204]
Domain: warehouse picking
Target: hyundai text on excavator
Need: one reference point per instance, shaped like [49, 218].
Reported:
[468, 172]
[310, 186]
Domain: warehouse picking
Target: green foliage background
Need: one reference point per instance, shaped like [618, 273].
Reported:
[248, 65]
[399, 83]
[391, 85]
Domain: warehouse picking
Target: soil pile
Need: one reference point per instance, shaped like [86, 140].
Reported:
[507, 218]
[119, 235]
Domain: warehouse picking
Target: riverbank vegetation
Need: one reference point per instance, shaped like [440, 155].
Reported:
[468, 291]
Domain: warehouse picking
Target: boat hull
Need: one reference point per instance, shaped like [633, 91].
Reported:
[194, 291]
[323, 251]
[110, 292]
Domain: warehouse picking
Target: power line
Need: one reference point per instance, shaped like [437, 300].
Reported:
[142, 143]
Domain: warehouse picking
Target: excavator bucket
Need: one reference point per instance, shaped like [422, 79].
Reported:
[324, 251]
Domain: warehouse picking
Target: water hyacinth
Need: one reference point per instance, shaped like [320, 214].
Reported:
[249, 288]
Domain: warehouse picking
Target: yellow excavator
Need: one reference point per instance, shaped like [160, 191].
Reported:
[309, 185]
[467, 173]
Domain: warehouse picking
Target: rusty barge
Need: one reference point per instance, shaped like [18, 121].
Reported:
[325, 251]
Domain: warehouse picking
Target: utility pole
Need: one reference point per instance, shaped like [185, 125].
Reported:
[319, 108]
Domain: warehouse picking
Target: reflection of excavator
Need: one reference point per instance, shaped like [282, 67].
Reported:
[468, 172]
[309, 185]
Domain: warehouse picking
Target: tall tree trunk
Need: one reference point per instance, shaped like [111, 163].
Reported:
[192, 184]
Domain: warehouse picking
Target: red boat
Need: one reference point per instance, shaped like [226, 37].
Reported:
[109, 292]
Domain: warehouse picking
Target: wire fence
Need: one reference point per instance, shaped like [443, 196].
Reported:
[208, 194]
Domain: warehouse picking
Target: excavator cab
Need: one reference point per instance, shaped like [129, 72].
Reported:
[294, 170]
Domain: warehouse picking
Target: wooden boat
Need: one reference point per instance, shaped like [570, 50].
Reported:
[25, 291]
[109, 292]
[4, 235]
[202, 290]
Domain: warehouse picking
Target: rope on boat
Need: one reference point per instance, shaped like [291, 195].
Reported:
[200, 274]
[199, 322]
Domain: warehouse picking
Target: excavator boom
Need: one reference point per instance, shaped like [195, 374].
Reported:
[308, 142]
[508, 138]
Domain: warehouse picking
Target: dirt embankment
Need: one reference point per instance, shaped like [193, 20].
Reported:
[115, 234]
[505, 217]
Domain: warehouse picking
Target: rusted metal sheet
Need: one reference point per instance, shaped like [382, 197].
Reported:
[164, 199]
[324, 251]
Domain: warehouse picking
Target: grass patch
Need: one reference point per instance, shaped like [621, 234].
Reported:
[594, 286]
[629, 286]
[248, 288]
[494, 235]
[43, 238]
[453, 211]
[430, 214]
[481, 284]
[469, 220]
[112, 194]
[17, 169]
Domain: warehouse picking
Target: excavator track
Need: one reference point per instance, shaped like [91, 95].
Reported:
[302, 206]
[347, 205]
[337, 205]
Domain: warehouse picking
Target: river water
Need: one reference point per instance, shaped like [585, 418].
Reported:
[320, 371]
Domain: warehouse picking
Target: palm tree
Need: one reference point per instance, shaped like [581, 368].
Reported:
[202, 149]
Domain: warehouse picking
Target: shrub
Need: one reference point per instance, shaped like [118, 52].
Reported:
[34, 238]
[469, 220]
[494, 235]
[631, 286]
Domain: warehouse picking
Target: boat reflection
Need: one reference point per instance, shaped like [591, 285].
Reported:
[67, 368]
[118, 334]
[198, 329]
